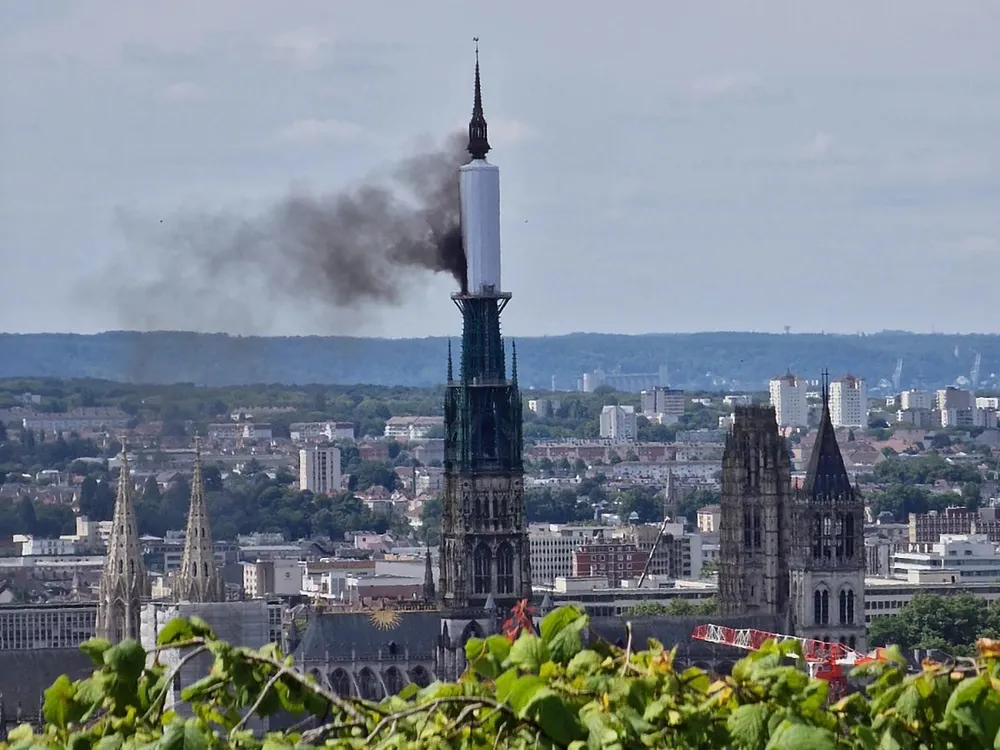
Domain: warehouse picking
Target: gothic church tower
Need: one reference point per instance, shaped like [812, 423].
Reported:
[198, 579]
[828, 559]
[755, 504]
[123, 582]
[484, 545]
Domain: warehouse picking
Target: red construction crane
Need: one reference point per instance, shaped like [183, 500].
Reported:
[825, 661]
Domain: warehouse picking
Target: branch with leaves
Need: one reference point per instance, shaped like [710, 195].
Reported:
[544, 687]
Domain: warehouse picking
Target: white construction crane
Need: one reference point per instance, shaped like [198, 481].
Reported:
[897, 374]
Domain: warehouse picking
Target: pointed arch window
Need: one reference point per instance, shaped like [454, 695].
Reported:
[481, 564]
[757, 528]
[505, 569]
[747, 529]
[827, 537]
[817, 536]
[849, 536]
[841, 541]
[821, 607]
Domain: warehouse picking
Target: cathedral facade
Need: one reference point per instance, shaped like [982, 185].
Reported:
[790, 550]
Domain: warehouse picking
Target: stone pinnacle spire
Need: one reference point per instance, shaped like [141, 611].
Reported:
[198, 580]
[479, 144]
[123, 582]
[429, 593]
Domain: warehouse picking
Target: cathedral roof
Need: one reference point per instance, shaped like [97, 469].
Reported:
[826, 475]
[367, 633]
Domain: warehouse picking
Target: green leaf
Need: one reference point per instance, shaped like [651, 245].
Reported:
[127, 659]
[473, 648]
[111, 742]
[566, 642]
[556, 621]
[529, 653]
[200, 628]
[585, 662]
[556, 719]
[61, 707]
[748, 726]
[175, 631]
[201, 687]
[802, 737]
[95, 648]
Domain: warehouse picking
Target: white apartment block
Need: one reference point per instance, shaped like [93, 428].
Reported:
[988, 402]
[303, 431]
[788, 397]
[916, 400]
[619, 423]
[319, 470]
[271, 578]
[544, 407]
[552, 546]
[849, 402]
[33, 546]
[668, 402]
[411, 428]
[46, 626]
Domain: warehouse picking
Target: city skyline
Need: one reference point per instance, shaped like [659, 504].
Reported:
[845, 147]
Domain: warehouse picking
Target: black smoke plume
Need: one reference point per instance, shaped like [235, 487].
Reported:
[330, 253]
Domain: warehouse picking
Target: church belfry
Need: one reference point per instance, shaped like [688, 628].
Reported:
[198, 580]
[828, 558]
[484, 544]
[123, 581]
[753, 549]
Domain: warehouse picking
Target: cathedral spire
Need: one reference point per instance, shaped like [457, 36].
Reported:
[826, 474]
[198, 580]
[479, 144]
[123, 581]
[429, 593]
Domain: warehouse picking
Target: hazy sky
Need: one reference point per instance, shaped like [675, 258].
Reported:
[667, 166]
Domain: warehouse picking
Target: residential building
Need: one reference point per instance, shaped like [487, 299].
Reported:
[412, 428]
[849, 402]
[88, 419]
[612, 561]
[309, 431]
[319, 470]
[239, 431]
[914, 399]
[552, 547]
[265, 578]
[25, 627]
[708, 518]
[988, 402]
[954, 398]
[619, 423]
[544, 407]
[788, 397]
[664, 405]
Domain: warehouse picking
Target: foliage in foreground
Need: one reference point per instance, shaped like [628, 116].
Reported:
[535, 690]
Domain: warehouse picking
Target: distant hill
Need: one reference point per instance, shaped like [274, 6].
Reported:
[694, 361]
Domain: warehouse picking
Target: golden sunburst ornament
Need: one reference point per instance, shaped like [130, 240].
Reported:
[384, 619]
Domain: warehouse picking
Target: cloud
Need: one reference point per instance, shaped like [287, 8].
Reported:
[721, 85]
[315, 131]
[979, 244]
[816, 149]
[304, 48]
[182, 91]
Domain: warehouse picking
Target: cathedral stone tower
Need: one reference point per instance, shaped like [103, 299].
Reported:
[754, 528]
[484, 545]
[123, 582]
[198, 580]
[828, 557]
